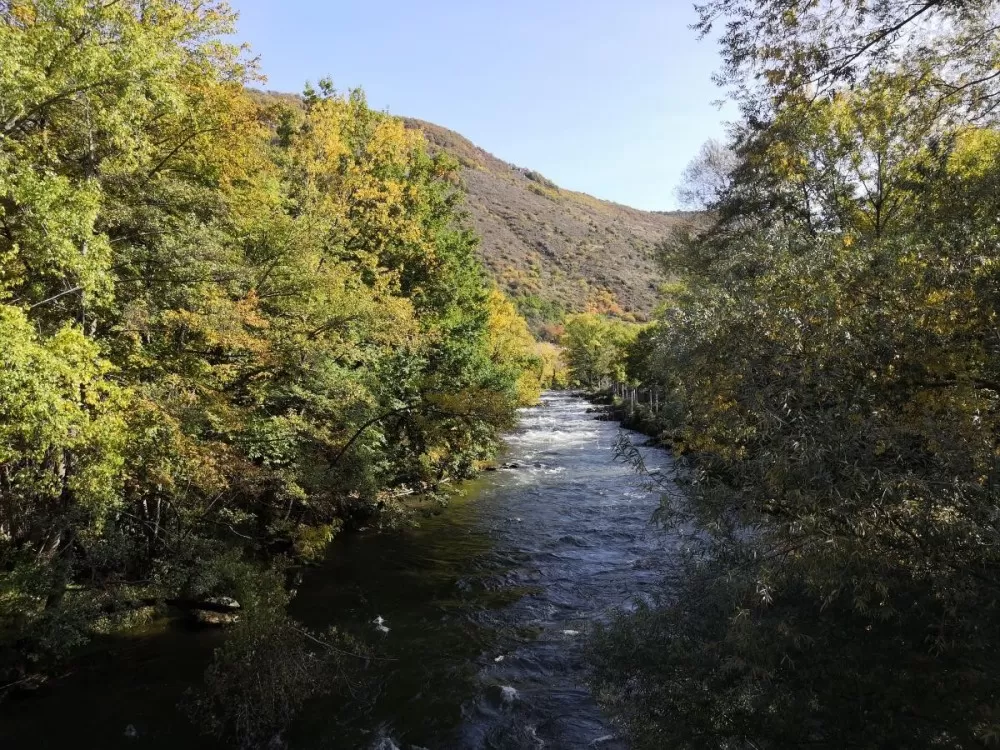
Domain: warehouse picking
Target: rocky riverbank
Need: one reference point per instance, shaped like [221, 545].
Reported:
[633, 414]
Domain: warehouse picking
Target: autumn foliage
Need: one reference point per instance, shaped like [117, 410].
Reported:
[831, 353]
[230, 325]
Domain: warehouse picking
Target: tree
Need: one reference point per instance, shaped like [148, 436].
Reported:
[708, 177]
[773, 50]
[512, 346]
[831, 358]
[595, 348]
[234, 324]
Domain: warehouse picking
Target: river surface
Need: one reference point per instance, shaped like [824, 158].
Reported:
[487, 606]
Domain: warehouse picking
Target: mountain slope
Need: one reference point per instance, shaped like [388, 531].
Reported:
[552, 250]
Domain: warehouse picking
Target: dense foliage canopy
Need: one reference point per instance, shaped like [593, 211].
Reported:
[229, 323]
[595, 348]
[832, 355]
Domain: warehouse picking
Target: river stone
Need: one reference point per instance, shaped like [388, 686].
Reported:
[501, 695]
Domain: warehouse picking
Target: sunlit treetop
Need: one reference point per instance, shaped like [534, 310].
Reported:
[772, 49]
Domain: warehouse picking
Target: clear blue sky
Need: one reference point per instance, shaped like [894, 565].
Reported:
[612, 98]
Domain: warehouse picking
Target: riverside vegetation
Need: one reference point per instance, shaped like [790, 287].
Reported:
[235, 324]
[830, 358]
[231, 327]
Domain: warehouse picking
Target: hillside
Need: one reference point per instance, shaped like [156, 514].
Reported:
[554, 250]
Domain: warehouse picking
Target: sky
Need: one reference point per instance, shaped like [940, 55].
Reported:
[612, 98]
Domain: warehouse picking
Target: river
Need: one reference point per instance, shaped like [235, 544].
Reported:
[487, 606]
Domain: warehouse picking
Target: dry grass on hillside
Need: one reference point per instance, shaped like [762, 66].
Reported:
[554, 250]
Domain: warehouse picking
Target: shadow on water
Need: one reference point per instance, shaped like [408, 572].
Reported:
[431, 585]
[488, 603]
[123, 693]
[487, 606]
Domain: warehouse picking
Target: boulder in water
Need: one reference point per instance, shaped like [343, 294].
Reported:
[501, 695]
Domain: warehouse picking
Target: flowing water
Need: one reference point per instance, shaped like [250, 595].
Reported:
[487, 606]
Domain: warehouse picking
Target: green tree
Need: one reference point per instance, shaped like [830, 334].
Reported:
[595, 348]
[831, 355]
[233, 324]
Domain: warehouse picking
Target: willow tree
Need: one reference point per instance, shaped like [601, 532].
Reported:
[832, 355]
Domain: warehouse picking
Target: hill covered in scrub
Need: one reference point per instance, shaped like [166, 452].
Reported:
[552, 251]
[555, 251]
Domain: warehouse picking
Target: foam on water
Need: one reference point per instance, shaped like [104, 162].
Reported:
[489, 602]
[508, 583]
